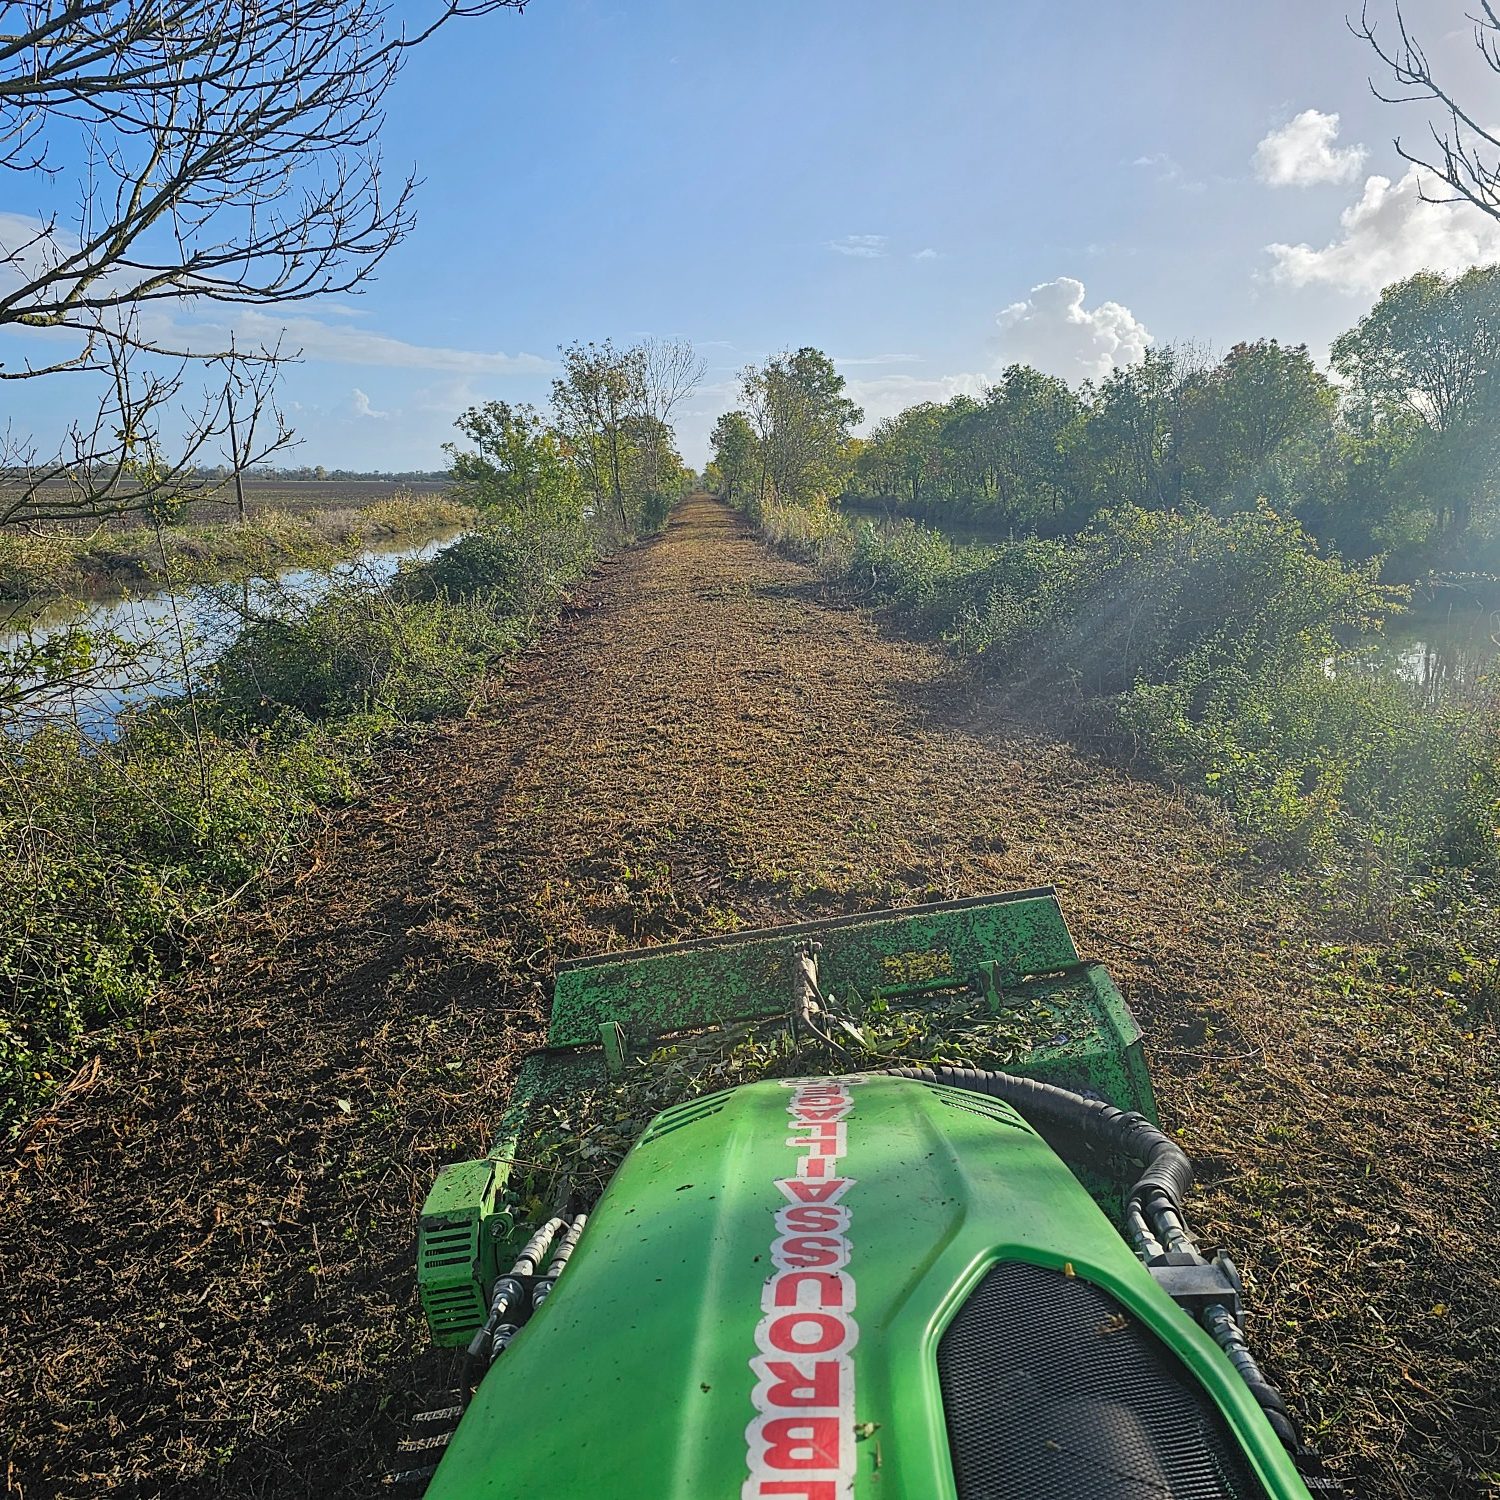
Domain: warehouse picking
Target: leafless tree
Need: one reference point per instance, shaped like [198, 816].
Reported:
[672, 371]
[1463, 153]
[211, 153]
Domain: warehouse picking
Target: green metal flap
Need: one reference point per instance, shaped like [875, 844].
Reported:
[686, 986]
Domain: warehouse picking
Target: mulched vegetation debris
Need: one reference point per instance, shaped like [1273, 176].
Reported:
[206, 1263]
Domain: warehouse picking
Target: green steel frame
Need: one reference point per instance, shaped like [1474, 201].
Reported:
[1006, 949]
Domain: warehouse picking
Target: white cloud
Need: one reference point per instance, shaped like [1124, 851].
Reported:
[1389, 233]
[876, 359]
[865, 246]
[362, 408]
[928, 254]
[1169, 171]
[1054, 331]
[360, 346]
[888, 394]
[1302, 153]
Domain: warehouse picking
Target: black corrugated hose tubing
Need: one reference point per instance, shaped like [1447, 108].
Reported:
[1154, 1202]
[1168, 1172]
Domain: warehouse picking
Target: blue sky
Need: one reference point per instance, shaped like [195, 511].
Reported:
[926, 191]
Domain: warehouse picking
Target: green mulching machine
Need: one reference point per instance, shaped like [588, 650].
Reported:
[870, 1207]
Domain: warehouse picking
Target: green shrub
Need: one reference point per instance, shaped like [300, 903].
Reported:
[108, 853]
[517, 567]
[979, 595]
[362, 650]
[1316, 761]
[414, 650]
[655, 509]
[1142, 595]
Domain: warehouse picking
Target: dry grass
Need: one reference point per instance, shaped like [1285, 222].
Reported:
[60, 560]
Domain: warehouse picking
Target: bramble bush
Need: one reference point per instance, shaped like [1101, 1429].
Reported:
[362, 650]
[109, 852]
[416, 649]
[514, 566]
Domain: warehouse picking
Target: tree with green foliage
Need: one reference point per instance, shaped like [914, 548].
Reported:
[735, 455]
[1423, 368]
[595, 399]
[1126, 445]
[801, 419]
[905, 454]
[1402, 459]
[517, 466]
[1259, 425]
[1021, 435]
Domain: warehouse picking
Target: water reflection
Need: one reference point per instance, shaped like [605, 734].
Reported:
[154, 645]
[1445, 647]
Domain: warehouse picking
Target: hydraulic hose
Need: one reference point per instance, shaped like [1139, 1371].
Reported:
[1226, 1334]
[1159, 1189]
[1153, 1206]
[508, 1296]
[534, 1251]
[561, 1255]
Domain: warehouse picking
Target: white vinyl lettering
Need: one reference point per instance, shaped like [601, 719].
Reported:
[800, 1444]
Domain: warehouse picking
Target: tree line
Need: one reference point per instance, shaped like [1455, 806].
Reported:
[606, 448]
[1395, 452]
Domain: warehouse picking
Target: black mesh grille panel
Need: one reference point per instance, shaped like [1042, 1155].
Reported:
[1052, 1393]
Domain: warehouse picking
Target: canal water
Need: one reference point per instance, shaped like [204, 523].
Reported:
[167, 639]
[1446, 645]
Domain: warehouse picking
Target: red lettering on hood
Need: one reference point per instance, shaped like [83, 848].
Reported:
[798, 1383]
[807, 1332]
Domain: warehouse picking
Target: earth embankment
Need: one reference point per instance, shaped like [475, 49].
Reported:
[205, 1268]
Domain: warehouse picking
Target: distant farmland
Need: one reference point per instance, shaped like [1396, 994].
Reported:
[297, 496]
[302, 495]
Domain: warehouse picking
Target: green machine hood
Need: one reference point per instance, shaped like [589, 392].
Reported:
[857, 1287]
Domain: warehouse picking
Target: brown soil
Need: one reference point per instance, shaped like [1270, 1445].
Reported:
[205, 1270]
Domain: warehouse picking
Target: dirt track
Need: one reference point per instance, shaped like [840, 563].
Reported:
[205, 1268]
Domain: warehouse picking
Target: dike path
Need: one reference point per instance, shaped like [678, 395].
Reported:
[206, 1257]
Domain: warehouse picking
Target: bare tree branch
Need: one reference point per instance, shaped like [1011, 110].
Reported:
[1464, 154]
[673, 370]
[218, 152]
